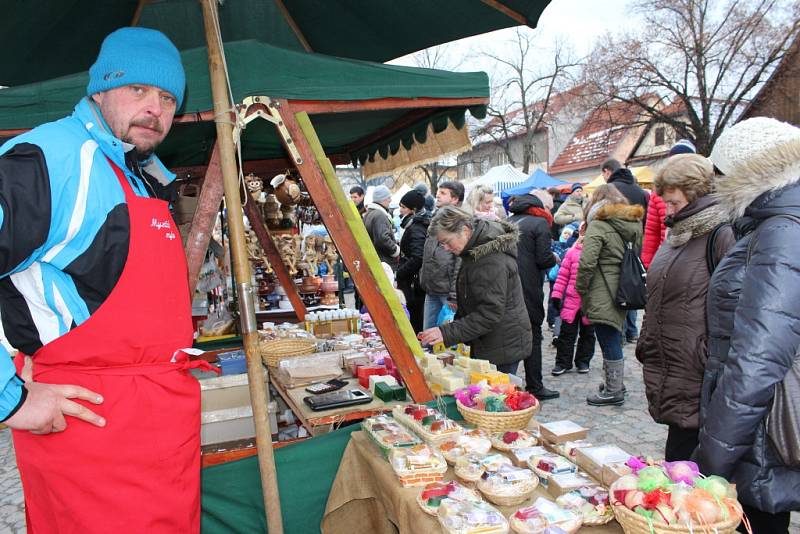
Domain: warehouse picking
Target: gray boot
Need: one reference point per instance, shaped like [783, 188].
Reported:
[612, 394]
[602, 386]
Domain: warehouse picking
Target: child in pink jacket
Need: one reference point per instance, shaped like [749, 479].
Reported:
[573, 325]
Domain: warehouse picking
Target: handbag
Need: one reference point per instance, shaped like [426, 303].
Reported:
[783, 420]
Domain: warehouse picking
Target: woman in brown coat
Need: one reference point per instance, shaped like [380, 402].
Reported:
[672, 346]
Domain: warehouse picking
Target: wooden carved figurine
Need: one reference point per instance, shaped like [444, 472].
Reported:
[331, 256]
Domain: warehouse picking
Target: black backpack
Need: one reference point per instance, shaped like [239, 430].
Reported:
[632, 290]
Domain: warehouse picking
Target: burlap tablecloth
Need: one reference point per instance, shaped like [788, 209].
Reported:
[367, 498]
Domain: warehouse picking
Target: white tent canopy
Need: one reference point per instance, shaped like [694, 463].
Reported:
[498, 178]
[405, 188]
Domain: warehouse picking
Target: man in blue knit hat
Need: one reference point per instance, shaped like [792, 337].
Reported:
[94, 301]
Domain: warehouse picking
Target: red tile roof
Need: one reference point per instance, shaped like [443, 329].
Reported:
[599, 135]
[515, 121]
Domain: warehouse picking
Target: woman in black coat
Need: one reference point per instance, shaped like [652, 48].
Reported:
[754, 324]
[415, 230]
[491, 316]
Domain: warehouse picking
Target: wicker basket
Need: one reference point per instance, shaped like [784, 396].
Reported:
[275, 350]
[598, 520]
[519, 527]
[633, 523]
[523, 494]
[529, 440]
[497, 421]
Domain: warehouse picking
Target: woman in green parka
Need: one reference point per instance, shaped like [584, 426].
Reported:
[611, 223]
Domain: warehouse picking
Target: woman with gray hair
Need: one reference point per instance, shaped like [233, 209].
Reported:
[677, 285]
[491, 316]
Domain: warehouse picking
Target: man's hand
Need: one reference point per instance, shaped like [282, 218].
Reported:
[46, 405]
[431, 336]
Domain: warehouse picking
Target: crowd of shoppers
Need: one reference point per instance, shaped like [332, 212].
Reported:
[719, 341]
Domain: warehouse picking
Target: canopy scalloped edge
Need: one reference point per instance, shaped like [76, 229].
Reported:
[415, 134]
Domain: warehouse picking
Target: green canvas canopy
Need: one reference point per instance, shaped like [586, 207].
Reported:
[44, 39]
[261, 69]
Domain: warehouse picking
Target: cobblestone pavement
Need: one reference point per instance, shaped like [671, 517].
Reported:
[628, 426]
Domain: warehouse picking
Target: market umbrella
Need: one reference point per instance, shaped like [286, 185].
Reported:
[376, 30]
[537, 180]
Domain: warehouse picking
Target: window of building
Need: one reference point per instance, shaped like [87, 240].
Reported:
[502, 158]
[660, 136]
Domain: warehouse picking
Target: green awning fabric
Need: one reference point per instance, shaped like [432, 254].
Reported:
[44, 39]
[257, 68]
[231, 493]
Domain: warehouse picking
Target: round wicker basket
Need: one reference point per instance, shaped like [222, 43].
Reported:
[498, 421]
[527, 440]
[275, 350]
[633, 523]
[519, 527]
[598, 520]
[523, 494]
[425, 508]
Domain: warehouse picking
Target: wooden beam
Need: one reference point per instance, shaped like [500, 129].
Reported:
[258, 166]
[348, 233]
[138, 13]
[507, 11]
[314, 107]
[204, 218]
[274, 257]
[259, 393]
[293, 25]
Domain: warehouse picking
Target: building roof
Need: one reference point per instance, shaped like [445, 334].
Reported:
[787, 64]
[598, 137]
[515, 121]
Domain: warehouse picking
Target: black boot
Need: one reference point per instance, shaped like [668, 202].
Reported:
[612, 394]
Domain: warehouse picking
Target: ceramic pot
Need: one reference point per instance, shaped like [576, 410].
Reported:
[329, 283]
[309, 285]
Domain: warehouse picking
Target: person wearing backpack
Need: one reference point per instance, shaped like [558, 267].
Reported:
[613, 226]
[672, 347]
[749, 417]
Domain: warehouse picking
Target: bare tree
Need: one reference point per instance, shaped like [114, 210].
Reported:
[443, 57]
[523, 90]
[704, 58]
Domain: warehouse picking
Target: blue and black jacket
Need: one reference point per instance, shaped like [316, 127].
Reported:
[64, 231]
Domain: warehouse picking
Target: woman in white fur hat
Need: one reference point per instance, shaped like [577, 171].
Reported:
[749, 419]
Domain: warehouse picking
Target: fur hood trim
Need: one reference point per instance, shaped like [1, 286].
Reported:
[756, 156]
[626, 212]
[503, 239]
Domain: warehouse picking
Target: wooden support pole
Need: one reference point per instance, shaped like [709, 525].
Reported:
[274, 257]
[259, 394]
[348, 233]
[204, 218]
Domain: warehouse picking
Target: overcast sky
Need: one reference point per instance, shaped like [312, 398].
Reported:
[578, 21]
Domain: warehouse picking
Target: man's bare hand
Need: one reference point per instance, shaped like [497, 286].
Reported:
[431, 336]
[44, 410]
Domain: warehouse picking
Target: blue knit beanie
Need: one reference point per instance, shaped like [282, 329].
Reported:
[138, 56]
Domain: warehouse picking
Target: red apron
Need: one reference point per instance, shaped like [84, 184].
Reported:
[141, 472]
